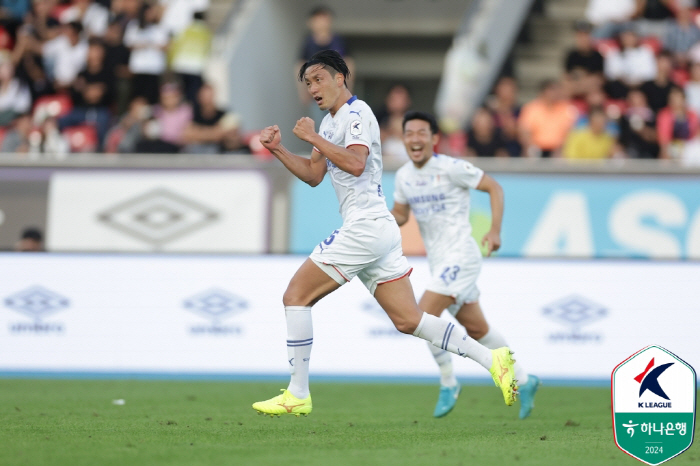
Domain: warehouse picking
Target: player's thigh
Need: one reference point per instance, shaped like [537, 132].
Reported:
[471, 316]
[434, 303]
[398, 301]
[308, 285]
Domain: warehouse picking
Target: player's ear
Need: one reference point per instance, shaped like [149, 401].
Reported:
[435, 139]
[339, 79]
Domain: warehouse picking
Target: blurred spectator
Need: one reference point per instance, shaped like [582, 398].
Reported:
[31, 240]
[17, 138]
[638, 127]
[177, 15]
[655, 16]
[609, 16]
[596, 98]
[675, 124]
[123, 11]
[505, 108]
[545, 122]
[148, 41]
[165, 132]
[592, 142]
[117, 63]
[15, 98]
[93, 16]
[657, 89]
[66, 55]
[49, 140]
[39, 23]
[681, 34]
[584, 64]
[124, 137]
[92, 93]
[39, 27]
[12, 13]
[484, 138]
[321, 37]
[211, 129]
[630, 66]
[189, 52]
[390, 119]
[692, 88]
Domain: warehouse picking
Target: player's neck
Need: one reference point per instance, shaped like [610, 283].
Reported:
[420, 164]
[345, 95]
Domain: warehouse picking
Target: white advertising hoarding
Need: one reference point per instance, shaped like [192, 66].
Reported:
[224, 315]
[193, 211]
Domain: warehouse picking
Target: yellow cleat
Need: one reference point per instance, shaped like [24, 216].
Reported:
[503, 373]
[286, 403]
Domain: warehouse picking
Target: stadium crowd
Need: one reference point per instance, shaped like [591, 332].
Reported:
[114, 76]
[630, 87]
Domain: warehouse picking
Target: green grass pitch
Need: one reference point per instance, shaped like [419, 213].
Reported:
[74, 422]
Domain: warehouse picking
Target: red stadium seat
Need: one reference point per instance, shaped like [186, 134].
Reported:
[604, 46]
[653, 43]
[6, 42]
[52, 106]
[82, 138]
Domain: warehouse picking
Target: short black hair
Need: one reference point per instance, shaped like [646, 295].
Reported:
[425, 116]
[32, 233]
[330, 59]
[321, 10]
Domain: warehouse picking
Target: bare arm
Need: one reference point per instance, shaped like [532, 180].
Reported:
[311, 171]
[492, 239]
[351, 159]
[401, 213]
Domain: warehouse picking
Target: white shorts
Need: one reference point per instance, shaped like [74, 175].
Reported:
[369, 249]
[456, 278]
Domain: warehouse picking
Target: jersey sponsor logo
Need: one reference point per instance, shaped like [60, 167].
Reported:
[330, 164]
[427, 198]
[356, 128]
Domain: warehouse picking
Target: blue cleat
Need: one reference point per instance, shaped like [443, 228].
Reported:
[527, 395]
[446, 400]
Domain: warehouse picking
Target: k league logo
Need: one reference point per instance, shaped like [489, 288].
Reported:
[215, 305]
[653, 404]
[37, 303]
[575, 312]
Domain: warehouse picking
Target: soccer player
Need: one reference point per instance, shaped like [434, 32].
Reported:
[368, 245]
[436, 188]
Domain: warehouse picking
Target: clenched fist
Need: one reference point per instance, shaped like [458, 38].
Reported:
[305, 129]
[271, 137]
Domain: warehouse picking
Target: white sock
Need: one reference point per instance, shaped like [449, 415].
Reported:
[493, 340]
[444, 361]
[445, 335]
[300, 337]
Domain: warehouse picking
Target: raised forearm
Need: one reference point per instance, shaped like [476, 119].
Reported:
[299, 166]
[343, 158]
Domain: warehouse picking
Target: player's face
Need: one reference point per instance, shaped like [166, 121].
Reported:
[324, 87]
[419, 141]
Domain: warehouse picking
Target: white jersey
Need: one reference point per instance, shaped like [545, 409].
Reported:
[438, 194]
[360, 197]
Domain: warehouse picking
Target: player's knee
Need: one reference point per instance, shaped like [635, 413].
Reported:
[292, 297]
[477, 332]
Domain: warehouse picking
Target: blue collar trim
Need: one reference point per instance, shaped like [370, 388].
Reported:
[351, 100]
[435, 154]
